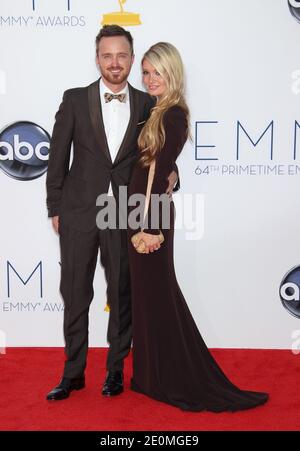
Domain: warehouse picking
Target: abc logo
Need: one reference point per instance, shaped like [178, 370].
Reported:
[24, 150]
[294, 6]
[290, 291]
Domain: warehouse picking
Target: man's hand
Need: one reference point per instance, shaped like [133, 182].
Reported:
[55, 223]
[172, 179]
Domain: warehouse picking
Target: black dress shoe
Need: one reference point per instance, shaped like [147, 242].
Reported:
[64, 388]
[113, 384]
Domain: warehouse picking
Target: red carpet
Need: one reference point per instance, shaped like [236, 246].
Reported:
[27, 374]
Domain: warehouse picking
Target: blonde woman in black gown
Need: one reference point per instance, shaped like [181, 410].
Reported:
[171, 362]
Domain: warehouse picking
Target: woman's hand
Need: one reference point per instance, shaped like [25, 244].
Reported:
[151, 242]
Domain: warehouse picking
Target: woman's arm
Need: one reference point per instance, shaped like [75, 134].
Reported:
[176, 134]
[175, 123]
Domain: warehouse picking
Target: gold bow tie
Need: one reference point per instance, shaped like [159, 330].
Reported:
[109, 97]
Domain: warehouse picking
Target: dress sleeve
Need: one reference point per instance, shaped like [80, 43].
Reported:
[175, 123]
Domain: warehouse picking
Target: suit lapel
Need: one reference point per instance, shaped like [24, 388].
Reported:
[131, 128]
[97, 118]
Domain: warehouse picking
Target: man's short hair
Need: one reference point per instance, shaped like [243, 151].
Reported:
[113, 30]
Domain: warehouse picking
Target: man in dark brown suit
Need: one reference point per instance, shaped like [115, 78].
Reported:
[103, 121]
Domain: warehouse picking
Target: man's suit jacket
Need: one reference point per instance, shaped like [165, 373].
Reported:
[72, 192]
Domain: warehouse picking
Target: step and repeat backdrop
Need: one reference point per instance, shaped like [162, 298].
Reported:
[237, 244]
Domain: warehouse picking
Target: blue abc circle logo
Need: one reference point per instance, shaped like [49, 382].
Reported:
[294, 6]
[290, 291]
[24, 150]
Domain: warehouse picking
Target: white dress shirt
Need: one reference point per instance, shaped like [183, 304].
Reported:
[116, 117]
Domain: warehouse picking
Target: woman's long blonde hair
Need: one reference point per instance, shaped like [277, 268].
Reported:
[167, 61]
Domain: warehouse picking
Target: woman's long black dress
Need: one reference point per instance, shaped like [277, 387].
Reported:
[171, 362]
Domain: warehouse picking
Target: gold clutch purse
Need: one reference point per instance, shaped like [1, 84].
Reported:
[141, 248]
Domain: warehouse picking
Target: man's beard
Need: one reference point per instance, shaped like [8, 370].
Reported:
[116, 79]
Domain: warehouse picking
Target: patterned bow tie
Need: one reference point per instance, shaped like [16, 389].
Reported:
[109, 97]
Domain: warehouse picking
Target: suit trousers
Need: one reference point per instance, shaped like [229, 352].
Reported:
[79, 251]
